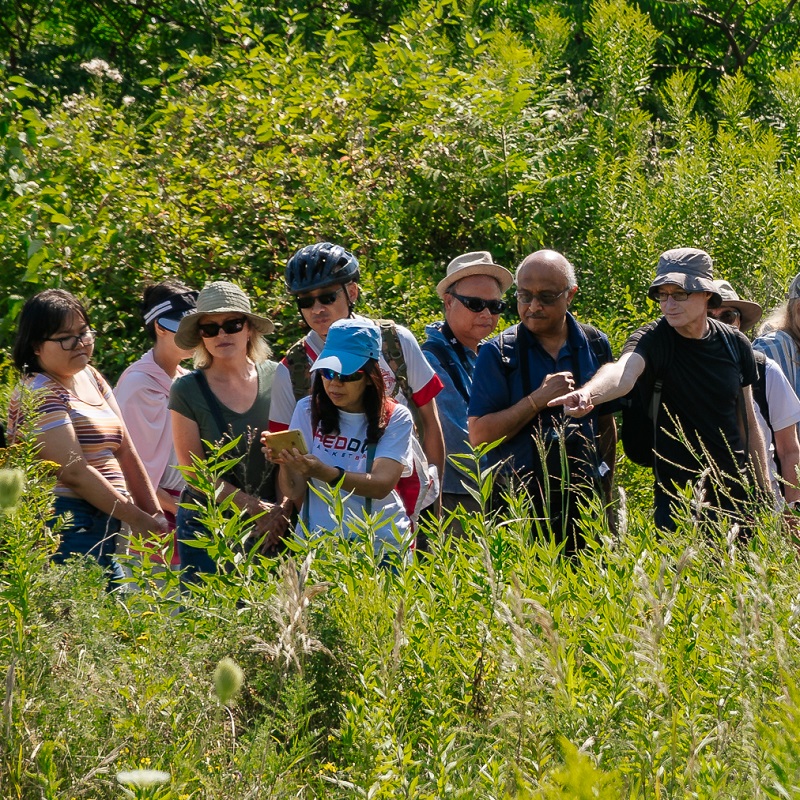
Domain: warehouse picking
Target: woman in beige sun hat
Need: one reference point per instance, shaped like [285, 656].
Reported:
[227, 396]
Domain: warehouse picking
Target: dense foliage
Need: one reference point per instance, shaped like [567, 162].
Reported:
[146, 138]
[423, 131]
[649, 667]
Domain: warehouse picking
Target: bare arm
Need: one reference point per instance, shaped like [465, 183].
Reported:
[608, 383]
[61, 445]
[510, 421]
[433, 443]
[187, 441]
[758, 451]
[787, 446]
[297, 469]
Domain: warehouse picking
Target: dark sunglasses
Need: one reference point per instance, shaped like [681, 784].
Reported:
[211, 329]
[477, 304]
[330, 375]
[326, 299]
[728, 315]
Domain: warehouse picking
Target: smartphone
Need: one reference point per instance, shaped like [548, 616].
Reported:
[285, 440]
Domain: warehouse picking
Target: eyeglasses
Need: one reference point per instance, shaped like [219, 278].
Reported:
[543, 298]
[209, 330]
[326, 299]
[678, 297]
[727, 315]
[330, 375]
[478, 304]
[72, 342]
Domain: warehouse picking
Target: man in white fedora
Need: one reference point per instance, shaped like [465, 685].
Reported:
[518, 373]
[472, 292]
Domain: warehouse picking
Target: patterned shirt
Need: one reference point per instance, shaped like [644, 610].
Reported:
[97, 427]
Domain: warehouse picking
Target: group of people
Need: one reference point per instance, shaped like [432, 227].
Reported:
[381, 419]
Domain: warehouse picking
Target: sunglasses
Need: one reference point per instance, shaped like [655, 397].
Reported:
[211, 329]
[728, 315]
[478, 304]
[330, 375]
[326, 299]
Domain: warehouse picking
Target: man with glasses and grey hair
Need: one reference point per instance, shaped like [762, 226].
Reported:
[555, 459]
[472, 292]
[705, 433]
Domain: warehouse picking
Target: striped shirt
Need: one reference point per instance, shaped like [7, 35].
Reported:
[781, 347]
[97, 427]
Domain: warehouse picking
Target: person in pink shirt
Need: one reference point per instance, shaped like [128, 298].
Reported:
[142, 391]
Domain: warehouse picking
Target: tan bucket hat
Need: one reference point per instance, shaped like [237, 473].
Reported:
[750, 312]
[219, 297]
[477, 263]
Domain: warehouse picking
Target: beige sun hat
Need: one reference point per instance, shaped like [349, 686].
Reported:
[750, 312]
[477, 263]
[219, 297]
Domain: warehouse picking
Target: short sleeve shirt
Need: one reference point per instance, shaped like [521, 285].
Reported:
[701, 387]
[348, 449]
[254, 474]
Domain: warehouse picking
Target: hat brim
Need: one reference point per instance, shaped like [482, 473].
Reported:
[344, 363]
[689, 283]
[188, 336]
[170, 322]
[751, 313]
[500, 274]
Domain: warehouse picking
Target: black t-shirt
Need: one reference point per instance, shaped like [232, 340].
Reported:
[701, 386]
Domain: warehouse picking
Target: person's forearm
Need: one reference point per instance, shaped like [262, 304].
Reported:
[787, 449]
[86, 482]
[375, 485]
[503, 424]
[433, 442]
[757, 448]
[137, 480]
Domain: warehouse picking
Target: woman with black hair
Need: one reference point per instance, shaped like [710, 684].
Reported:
[78, 425]
[143, 391]
[359, 441]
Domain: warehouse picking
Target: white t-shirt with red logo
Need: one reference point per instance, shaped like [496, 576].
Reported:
[348, 450]
[423, 381]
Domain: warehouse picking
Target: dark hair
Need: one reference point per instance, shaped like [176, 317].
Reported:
[155, 293]
[43, 315]
[325, 415]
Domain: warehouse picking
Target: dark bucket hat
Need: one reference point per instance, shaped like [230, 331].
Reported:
[689, 268]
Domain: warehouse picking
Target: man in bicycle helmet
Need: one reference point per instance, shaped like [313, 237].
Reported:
[323, 278]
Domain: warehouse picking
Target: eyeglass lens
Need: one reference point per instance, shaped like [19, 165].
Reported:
[72, 342]
[544, 298]
[678, 297]
[477, 304]
[326, 299]
[211, 329]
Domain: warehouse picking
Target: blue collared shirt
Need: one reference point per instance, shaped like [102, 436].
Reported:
[452, 409]
[497, 385]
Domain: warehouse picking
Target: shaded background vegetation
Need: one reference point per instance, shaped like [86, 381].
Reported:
[206, 140]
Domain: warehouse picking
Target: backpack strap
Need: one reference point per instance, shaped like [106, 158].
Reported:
[296, 360]
[446, 358]
[392, 351]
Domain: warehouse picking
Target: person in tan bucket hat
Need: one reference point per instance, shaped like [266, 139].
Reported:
[703, 367]
[472, 293]
[227, 396]
[777, 405]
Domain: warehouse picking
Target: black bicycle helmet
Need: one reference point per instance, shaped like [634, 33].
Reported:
[318, 265]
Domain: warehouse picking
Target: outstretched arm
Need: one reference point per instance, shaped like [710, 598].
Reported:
[609, 382]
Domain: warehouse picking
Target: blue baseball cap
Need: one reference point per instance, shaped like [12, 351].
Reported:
[350, 343]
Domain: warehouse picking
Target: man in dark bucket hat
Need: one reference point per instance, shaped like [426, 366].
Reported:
[693, 374]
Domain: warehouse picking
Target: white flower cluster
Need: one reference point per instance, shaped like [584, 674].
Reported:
[101, 69]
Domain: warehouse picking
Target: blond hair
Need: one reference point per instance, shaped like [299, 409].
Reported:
[786, 317]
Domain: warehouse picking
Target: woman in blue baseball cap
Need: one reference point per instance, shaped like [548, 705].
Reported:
[359, 442]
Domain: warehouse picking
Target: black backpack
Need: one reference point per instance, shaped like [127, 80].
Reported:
[641, 405]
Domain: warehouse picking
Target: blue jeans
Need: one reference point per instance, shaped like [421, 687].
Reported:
[188, 526]
[88, 532]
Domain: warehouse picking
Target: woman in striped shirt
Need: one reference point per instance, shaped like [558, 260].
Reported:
[67, 405]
